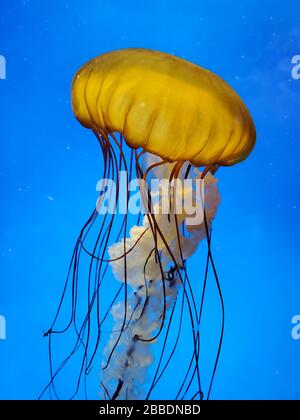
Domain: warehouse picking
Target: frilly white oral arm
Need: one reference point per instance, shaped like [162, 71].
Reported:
[127, 357]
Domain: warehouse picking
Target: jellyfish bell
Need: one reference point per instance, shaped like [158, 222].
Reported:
[164, 104]
[174, 117]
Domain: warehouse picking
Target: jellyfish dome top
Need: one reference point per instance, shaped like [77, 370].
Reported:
[164, 104]
[157, 118]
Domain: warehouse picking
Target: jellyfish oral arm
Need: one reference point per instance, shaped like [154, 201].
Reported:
[126, 371]
[155, 274]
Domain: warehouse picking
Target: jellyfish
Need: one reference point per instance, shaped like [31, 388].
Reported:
[130, 307]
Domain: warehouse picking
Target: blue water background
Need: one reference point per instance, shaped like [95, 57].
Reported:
[49, 166]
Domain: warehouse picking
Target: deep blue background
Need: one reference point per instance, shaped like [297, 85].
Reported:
[49, 167]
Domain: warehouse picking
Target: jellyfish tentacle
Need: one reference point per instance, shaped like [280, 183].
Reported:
[208, 238]
[139, 312]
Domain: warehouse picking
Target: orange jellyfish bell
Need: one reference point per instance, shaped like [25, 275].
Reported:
[164, 104]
